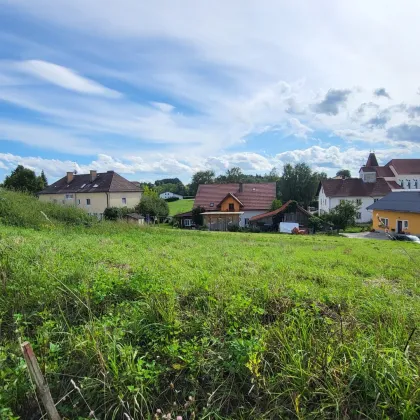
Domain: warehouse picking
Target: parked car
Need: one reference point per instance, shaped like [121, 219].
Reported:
[407, 238]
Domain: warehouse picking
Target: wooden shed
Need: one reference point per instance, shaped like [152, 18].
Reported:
[288, 212]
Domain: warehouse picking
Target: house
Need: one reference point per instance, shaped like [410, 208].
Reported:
[233, 204]
[289, 212]
[134, 218]
[168, 194]
[93, 192]
[399, 212]
[374, 183]
[185, 219]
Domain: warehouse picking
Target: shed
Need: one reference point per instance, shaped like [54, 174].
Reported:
[185, 220]
[134, 218]
[289, 212]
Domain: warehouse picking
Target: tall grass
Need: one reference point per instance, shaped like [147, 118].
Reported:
[210, 325]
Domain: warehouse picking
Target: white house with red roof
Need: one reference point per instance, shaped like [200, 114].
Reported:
[374, 183]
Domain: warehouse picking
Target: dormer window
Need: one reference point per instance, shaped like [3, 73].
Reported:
[211, 204]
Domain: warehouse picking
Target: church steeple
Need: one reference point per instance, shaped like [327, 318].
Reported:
[372, 161]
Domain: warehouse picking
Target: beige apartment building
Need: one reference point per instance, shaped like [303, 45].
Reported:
[93, 192]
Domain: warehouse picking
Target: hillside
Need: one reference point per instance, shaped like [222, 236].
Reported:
[222, 325]
[180, 206]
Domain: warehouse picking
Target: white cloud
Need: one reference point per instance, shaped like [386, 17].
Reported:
[64, 77]
[163, 106]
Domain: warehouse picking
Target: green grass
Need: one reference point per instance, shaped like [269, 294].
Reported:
[222, 325]
[180, 206]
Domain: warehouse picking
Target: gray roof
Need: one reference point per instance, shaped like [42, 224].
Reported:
[405, 201]
[135, 216]
[104, 182]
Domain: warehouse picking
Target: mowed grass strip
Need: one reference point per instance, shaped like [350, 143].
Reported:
[180, 206]
[210, 325]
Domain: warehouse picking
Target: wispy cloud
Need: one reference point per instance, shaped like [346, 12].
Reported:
[64, 77]
[381, 92]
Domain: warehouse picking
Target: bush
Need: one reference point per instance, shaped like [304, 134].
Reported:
[116, 213]
[153, 206]
[171, 199]
[197, 217]
[23, 209]
[233, 228]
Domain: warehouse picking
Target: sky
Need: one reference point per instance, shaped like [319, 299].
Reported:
[166, 88]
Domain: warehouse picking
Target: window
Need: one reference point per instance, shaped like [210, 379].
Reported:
[402, 182]
[69, 196]
[246, 222]
[231, 207]
[78, 201]
[358, 215]
[405, 224]
[359, 201]
[211, 204]
[384, 221]
[187, 222]
[124, 200]
[88, 201]
[375, 200]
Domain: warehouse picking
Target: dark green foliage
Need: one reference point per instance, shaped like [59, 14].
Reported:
[24, 179]
[197, 217]
[201, 177]
[299, 183]
[344, 173]
[343, 215]
[276, 204]
[233, 228]
[316, 223]
[151, 205]
[117, 213]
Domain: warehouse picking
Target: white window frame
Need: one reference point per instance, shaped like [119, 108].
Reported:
[78, 201]
[383, 219]
[358, 215]
[212, 204]
[124, 200]
[187, 222]
[405, 224]
[88, 202]
[358, 201]
[246, 221]
[69, 196]
[376, 199]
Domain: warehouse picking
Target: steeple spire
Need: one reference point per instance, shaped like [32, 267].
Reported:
[372, 161]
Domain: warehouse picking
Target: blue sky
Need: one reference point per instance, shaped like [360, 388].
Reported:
[161, 89]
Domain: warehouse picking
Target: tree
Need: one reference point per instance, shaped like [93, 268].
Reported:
[197, 217]
[43, 180]
[276, 204]
[299, 183]
[149, 192]
[232, 175]
[201, 177]
[24, 179]
[153, 206]
[343, 215]
[344, 173]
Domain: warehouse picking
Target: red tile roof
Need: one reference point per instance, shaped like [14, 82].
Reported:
[252, 196]
[280, 210]
[405, 166]
[381, 171]
[355, 187]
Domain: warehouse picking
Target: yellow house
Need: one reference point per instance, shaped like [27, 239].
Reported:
[398, 212]
[93, 192]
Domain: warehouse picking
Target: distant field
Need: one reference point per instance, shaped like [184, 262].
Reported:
[222, 325]
[180, 206]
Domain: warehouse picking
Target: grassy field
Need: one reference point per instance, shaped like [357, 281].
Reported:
[180, 206]
[209, 325]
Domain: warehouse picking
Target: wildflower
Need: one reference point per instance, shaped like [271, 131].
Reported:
[159, 411]
[171, 385]
[178, 417]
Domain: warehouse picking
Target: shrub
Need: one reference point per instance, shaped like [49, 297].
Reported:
[153, 206]
[171, 199]
[197, 217]
[233, 228]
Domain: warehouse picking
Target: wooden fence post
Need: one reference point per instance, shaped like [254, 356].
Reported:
[39, 380]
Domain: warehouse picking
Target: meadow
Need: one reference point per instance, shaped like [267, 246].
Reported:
[152, 322]
[180, 206]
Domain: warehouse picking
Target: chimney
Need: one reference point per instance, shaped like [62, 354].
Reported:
[93, 175]
[241, 187]
[70, 176]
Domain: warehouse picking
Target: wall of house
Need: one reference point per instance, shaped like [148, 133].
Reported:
[393, 216]
[244, 218]
[323, 202]
[227, 201]
[411, 182]
[365, 215]
[131, 198]
[168, 194]
[368, 176]
[98, 201]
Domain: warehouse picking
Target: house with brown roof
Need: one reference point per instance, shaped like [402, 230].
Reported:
[93, 192]
[374, 182]
[233, 204]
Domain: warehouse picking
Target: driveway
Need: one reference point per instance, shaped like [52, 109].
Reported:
[367, 235]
